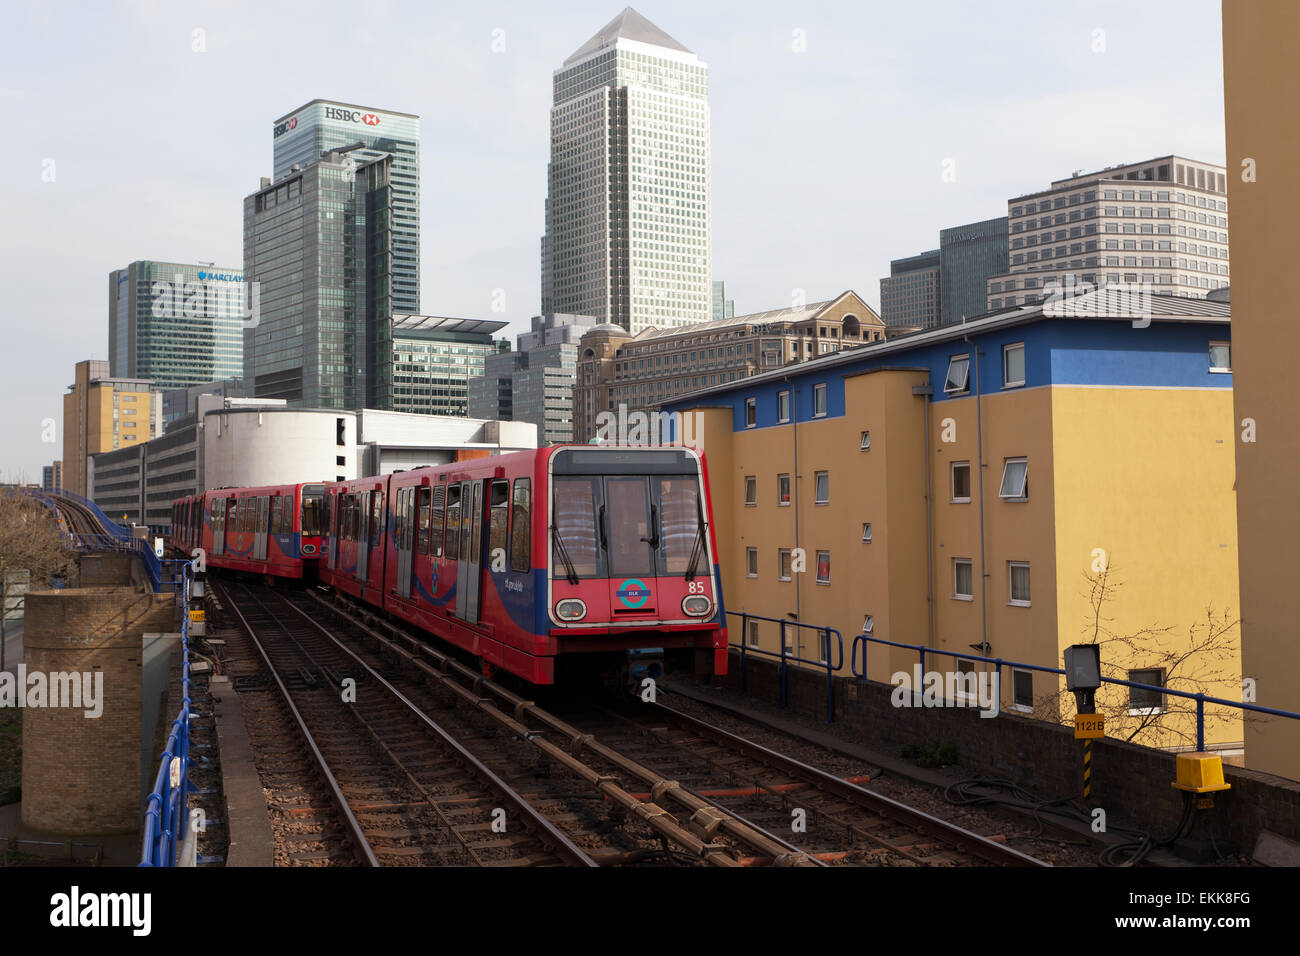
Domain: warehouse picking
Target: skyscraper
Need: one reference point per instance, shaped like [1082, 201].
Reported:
[301, 137]
[178, 324]
[909, 295]
[627, 209]
[968, 255]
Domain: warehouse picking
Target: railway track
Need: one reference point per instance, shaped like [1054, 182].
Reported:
[386, 779]
[717, 797]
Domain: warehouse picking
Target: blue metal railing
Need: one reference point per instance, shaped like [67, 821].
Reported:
[830, 663]
[862, 640]
[166, 816]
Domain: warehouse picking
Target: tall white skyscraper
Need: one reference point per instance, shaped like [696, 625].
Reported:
[627, 210]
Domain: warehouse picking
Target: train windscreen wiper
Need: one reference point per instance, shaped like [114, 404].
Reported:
[570, 572]
[697, 549]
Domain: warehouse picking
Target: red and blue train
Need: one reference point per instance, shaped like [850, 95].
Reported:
[543, 563]
[275, 530]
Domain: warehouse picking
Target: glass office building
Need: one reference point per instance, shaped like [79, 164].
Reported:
[968, 256]
[434, 358]
[627, 209]
[299, 138]
[909, 297]
[177, 323]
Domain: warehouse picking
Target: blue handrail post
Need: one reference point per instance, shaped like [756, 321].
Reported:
[744, 640]
[1200, 721]
[922, 650]
[830, 680]
[783, 664]
[997, 670]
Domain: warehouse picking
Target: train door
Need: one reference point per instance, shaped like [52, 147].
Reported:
[469, 567]
[363, 536]
[628, 525]
[263, 516]
[233, 515]
[405, 523]
[218, 525]
[335, 512]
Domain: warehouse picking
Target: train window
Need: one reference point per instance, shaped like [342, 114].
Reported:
[627, 527]
[575, 526]
[679, 522]
[520, 528]
[436, 523]
[498, 519]
[453, 522]
[376, 517]
[422, 520]
[401, 517]
[313, 497]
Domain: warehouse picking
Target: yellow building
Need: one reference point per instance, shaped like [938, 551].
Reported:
[1086, 494]
[102, 413]
[1261, 86]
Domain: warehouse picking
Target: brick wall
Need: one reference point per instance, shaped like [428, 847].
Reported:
[1131, 782]
[82, 775]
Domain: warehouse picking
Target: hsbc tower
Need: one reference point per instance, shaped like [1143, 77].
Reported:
[301, 136]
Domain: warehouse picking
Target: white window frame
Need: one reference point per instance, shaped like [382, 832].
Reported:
[779, 502]
[865, 443]
[783, 417]
[1015, 704]
[752, 636]
[1012, 600]
[819, 390]
[1146, 711]
[1024, 488]
[956, 594]
[817, 481]
[1006, 350]
[751, 561]
[866, 532]
[965, 389]
[780, 564]
[751, 405]
[952, 483]
[751, 481]
[1220, 369]
[817, 573]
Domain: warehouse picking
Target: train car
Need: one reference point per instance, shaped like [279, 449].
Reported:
[275, 530]
[572, 558]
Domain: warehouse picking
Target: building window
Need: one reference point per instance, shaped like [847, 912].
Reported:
[822, 485]
[751, 562]
[1018, 572]
[782, 489]
[958, 375]
[783, 406]
[783, 565]
[962, 579]
[866, 532]
[823, 567]
[752, 636]
[865, 444]
[1015, 480]
[869, 624]
[1220, 357]
[1013, 365]
[1022, 689]
[751, 412]
[960, 481]
[1141, 700]
[819, 399]
[751, 490]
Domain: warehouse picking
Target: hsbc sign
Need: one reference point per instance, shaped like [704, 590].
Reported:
[284, 127]
[351, 116]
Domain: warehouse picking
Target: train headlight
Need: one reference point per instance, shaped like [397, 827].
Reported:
[309, 549]
[570, 609]
[696, 605]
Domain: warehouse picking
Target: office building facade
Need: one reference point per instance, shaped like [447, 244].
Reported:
[103, 413]
[433, 361]
[301, 137]
[1162, 222]
[968, 256]
[627, 211]
[909, 297]
[318, 243]
[723, 308]
[176, 323]
[644, 371]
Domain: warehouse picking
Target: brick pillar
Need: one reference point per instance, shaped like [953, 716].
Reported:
[81, 775]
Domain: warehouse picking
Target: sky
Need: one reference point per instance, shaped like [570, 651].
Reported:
[133, 130]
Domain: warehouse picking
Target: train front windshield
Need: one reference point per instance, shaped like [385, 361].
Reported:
[627, 525]
[313, 510]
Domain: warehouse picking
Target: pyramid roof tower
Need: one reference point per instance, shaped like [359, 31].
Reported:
[628, 25]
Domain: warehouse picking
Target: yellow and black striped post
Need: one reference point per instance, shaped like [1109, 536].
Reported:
[1087, 768]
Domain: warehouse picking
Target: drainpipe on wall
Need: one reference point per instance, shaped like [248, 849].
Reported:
[795, 504]
[979, 442]
[926, 391]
